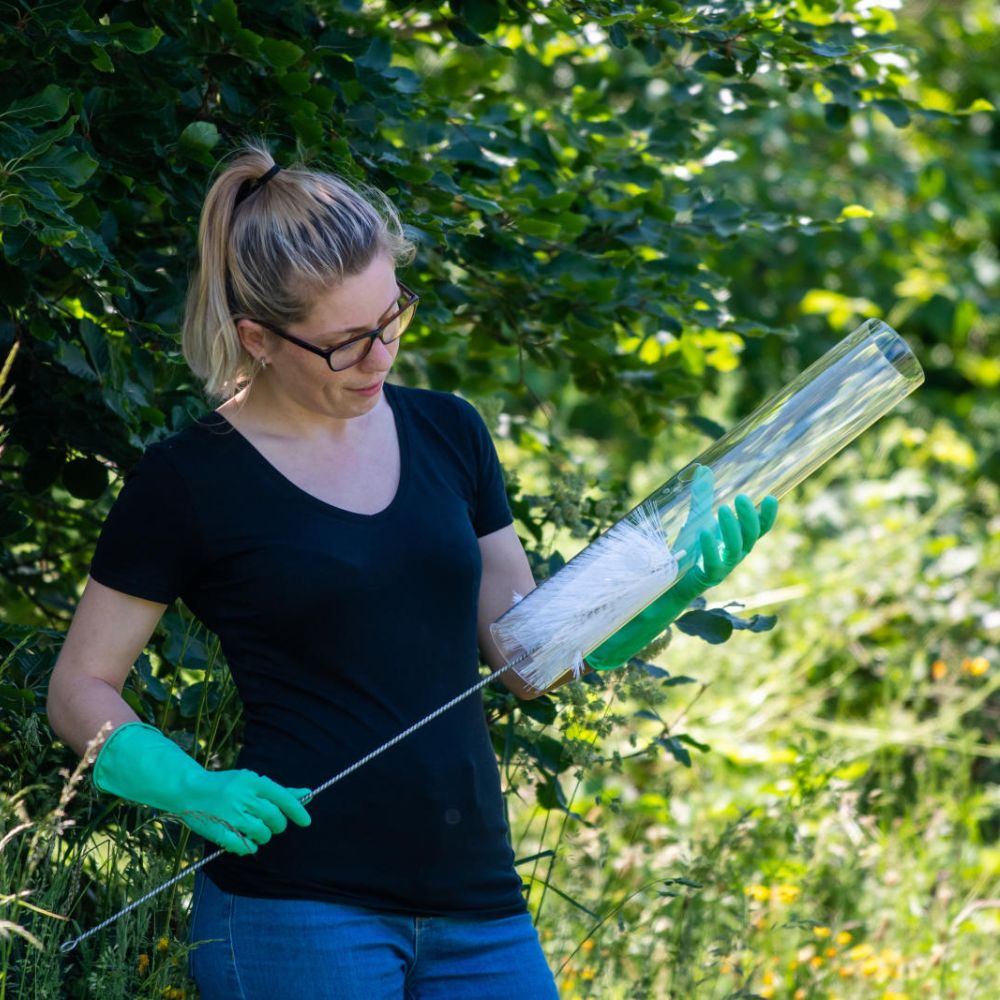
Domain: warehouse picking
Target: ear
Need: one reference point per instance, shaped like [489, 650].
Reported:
[254, 338]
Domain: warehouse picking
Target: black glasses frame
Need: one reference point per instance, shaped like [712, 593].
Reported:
[327, 353]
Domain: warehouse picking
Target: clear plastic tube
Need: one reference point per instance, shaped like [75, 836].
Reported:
[768, 453]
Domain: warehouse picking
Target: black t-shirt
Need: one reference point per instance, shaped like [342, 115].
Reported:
[341, 630]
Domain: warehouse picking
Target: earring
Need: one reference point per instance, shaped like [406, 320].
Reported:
[263, 362]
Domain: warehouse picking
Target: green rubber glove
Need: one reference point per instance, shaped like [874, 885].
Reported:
[236, 809]
[700, 537]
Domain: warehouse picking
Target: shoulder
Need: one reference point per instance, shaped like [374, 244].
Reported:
[194, 436]
[437, 405]
[184, 449]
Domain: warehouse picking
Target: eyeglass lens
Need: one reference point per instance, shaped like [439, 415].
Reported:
[351, 354]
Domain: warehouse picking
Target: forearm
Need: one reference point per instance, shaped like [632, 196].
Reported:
[76, 712]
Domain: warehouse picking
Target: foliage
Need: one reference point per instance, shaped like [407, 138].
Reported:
[635, 220]
[551, 160]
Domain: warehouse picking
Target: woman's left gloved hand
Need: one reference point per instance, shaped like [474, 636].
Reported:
[738, 533]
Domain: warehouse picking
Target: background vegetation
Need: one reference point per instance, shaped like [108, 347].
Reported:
[635, 221]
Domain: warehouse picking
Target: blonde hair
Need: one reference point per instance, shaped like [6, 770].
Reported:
[268, 255]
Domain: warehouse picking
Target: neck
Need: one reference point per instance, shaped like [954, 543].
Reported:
[258, 406]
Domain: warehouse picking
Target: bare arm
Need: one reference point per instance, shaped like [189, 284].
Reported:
[108, 632]
[505, 570]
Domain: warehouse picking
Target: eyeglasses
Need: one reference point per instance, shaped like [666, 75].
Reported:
[355, 350]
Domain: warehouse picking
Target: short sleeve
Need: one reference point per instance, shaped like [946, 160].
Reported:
[492, 509]
[149, 542]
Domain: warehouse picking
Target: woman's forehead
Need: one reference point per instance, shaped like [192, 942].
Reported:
[356, 304]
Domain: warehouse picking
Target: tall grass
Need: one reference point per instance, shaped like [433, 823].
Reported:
[838, 840]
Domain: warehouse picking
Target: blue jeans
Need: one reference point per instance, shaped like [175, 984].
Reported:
[295, 949]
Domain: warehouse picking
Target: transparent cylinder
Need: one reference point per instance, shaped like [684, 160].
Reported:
[768, 453]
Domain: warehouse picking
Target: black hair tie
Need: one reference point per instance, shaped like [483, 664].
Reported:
[249, 186]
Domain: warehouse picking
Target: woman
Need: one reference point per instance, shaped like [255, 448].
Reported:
[350, 542]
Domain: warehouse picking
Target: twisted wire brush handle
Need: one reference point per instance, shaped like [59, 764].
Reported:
[67, 946]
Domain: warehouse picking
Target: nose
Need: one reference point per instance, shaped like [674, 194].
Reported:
[380, 357]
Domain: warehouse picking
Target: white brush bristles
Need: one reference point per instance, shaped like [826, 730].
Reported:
[591, 597]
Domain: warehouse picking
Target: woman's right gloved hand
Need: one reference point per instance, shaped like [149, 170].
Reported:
[236, 809]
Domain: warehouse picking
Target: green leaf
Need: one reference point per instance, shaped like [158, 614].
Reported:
[12, 211]
[294, 83]
[97, 344]
[248, 44]
[152, 683]
[199, 137]
[550, 794]
[134, 702]
[828, 50]
[69, 166]
[481, 15]
[676, 749]
[377, 56]
[674, 679]
[12, 519]
[308, 127]
[72, 358]
[539, 227]
[85, 478]
[837, 115]
[896, 111]
[464, 33]
[42, 469]
[979, 104]
[715, 62]
[618, 36]
[281, 54]
[690, 883]
[705, 425]
[191, 698]
[136, 39]
[692, 742]
[542, 710]
[713, 628]
[101, 60]
[226, 16]
[48, 105]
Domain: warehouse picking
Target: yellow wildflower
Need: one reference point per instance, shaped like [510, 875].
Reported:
[860, 951]
[800, 994]
[939, 670]
[767, 992]
[816, 961]
[162, 945]
[785, 893]
[976, 666]
[844, 938]
[821, 932]
[830, 952]
[891, 957]
[893, 995]
[871, 967]
[760, 893]
[588, 945]
[767, 978]
[588, 973]
[143, 964]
